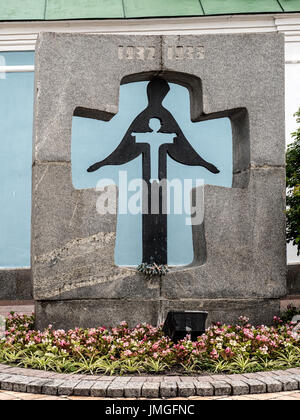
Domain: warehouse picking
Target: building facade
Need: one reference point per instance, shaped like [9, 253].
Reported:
[22, 21]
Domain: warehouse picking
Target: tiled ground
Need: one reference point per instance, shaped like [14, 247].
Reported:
[284, 396]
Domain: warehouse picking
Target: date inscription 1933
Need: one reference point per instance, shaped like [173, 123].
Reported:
[149, 53]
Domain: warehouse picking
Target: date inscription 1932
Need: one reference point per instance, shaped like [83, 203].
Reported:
[149, 53]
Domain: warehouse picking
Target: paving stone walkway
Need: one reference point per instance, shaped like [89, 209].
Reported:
[151, 387]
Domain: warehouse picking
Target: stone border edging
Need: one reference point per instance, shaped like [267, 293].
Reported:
[42, 382]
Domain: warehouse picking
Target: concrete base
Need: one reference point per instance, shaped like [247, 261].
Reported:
[15, 284]
[94, 313]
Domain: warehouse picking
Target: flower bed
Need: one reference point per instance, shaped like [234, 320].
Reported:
[144, 349]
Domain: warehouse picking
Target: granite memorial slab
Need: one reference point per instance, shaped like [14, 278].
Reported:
[239, 265]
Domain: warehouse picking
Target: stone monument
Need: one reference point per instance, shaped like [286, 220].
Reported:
[239, 265]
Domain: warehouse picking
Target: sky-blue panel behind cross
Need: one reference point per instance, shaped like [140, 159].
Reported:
[94, 140]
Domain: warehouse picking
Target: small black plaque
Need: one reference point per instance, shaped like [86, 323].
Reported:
[179, 324]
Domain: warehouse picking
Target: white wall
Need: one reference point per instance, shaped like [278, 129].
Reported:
[292, 83]
[292, 86]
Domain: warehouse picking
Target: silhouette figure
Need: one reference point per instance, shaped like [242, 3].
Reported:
[155, 139]
[181, 151]
[133, 145]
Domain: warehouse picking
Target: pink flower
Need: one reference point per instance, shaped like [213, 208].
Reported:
[214, 354]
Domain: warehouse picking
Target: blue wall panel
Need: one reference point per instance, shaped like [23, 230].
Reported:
[16, 119]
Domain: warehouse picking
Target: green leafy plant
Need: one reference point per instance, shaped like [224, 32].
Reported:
[220, 366]
[156, 366]
[193, 366]
[293, 188]
[265, 364]
[289, 358]
[131, 366]
[153, 269]
[243, 364]
[240, 348]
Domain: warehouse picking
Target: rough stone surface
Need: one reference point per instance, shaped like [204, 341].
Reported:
[259, 311]
[83, 388]
[92, 313]
[204, 389]
[151, 390]
[51, 387]
[7, 382]
[239, 387]
[3, 377]
[20, 384]
[67, 388]
[273, 385]
[250, 255]
[15, 284]
[36, 385]
[115, 390]
[221, 388]
[288, 382]
[256, 387]
[73, 247]
[186, 389]
[168, 389]
[99, 389]
[133, 390]
[296, 377]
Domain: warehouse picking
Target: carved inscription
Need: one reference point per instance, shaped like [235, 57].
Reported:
[136, 53]
[185, 52]
[175, 52]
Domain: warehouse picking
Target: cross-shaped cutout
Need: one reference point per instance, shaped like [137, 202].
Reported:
[155, 233]
[156, 136]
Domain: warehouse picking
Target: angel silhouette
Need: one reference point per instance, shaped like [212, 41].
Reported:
[181, 150]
